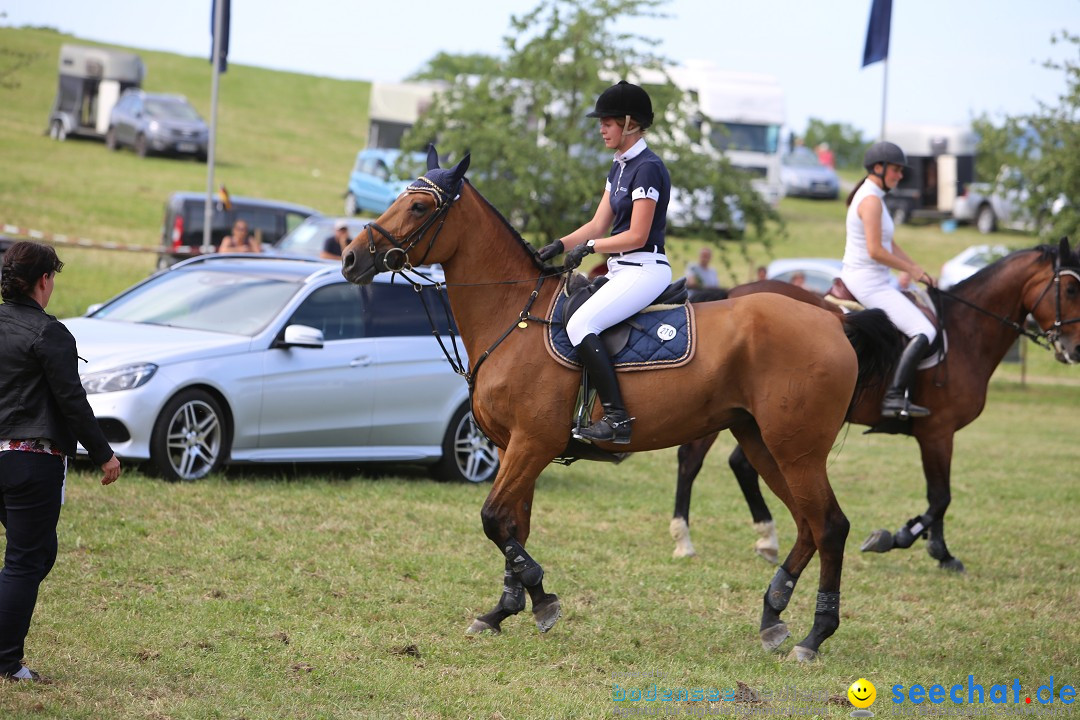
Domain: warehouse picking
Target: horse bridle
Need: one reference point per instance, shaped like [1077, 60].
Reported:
[1044, 338]
[401, 248]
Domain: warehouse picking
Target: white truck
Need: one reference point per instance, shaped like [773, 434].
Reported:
[742, 116]
[941, 162]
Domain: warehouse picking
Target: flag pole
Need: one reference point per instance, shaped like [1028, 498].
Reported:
[208, 211]
[884, 93]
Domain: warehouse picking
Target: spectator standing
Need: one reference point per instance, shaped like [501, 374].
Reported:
[240, 241]
[43, 412]
[331, 249]
[699, 275]
[825, 155]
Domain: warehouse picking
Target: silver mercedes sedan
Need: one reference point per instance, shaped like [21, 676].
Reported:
[257, 359]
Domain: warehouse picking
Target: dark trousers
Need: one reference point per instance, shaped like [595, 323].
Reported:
[30, 492]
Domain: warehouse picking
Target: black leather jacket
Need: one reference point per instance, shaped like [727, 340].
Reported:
[40, 392]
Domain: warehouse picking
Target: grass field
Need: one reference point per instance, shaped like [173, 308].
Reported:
[334, 592]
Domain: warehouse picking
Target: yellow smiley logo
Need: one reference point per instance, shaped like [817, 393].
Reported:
[862, 693]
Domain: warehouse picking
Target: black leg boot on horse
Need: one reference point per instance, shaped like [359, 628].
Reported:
[615, 425]
[896, 403]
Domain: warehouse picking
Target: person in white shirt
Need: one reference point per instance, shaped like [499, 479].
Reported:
[868, 256]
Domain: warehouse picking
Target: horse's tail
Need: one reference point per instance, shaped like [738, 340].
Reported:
[877, 344]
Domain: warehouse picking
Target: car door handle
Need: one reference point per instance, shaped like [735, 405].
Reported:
[362, 361]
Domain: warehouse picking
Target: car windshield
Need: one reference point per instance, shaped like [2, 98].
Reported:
[306, 236]
[802, 157]
[171, 109]
[226, 301]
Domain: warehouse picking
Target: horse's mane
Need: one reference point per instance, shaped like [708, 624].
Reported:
[525, 244]
[1047, 253]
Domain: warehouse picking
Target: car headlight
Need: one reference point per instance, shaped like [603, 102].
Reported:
[154, 126]
[122, 378]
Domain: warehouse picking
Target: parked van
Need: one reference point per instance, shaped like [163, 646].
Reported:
[182, 231]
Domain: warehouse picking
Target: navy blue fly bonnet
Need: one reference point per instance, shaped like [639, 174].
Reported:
[444, 183]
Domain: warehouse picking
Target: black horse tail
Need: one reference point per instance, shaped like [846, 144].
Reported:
[877, 343]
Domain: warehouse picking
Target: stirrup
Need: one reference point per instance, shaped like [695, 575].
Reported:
[902, 408]
[607, 429]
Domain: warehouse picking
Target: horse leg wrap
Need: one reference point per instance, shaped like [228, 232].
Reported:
[915, 527]
[826, 620]
[779, 593]
[527, 570]
[513, 595]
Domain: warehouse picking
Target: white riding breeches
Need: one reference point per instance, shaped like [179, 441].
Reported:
[872, 289]
[634, 281]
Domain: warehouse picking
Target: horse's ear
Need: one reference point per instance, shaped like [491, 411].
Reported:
[458, 171]
[432, 157]
[1064, 253]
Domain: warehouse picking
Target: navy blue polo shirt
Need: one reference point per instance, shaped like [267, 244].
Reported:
[636, 174]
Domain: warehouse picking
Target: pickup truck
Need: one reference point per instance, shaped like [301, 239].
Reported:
[993, 206]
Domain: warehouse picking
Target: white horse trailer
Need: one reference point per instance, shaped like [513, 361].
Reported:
[91, 81]
[941, 160]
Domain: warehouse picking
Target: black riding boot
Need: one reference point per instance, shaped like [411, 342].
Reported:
[615, 425]
[896, 402]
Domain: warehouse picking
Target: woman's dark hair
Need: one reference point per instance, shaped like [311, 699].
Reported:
[24, 263]
[851, 195]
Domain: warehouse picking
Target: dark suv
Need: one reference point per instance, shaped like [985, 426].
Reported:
[156, 122]
[182, 232]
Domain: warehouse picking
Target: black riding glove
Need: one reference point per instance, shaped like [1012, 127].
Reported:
[549, 251]
[576, 255]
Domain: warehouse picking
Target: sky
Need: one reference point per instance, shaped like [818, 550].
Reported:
[949, 60]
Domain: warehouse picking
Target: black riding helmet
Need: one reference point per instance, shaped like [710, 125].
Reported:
[884, 152]
[624, 99]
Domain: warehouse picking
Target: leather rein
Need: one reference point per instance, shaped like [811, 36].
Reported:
[1047, 339]
[400, 266]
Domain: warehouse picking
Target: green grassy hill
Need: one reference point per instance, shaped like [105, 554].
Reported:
[280, 135]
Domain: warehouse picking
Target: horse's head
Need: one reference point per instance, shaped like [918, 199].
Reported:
[405, 235]
[1056, 304]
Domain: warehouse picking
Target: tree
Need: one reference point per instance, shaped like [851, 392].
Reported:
[846, 141]
[1045, 147]
[536, 156]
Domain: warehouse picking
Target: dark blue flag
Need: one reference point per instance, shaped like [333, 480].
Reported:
[223, 50]
[877, 34]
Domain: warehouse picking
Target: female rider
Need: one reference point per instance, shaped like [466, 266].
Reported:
[869, 254]
[629, 225]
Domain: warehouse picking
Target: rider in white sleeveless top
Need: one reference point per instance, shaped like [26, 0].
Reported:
[869, 254]
[629, 224]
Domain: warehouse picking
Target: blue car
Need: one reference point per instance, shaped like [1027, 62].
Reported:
[374, 184]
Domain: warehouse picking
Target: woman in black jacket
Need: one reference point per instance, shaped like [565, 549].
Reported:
[43, 411]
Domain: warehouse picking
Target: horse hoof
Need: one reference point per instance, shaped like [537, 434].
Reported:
[773, 637]
[479, 627]
[803, 654]
[680, 533]
[770, 555]
[547, 613]
[953, 565]
[879, 541]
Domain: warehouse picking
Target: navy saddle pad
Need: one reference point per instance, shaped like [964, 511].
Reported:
[659, 337]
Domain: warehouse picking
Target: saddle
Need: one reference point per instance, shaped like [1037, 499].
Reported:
[839, 295]
[579, 289]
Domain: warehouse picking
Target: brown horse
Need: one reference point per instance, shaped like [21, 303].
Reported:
[778, 373]
[982, 318]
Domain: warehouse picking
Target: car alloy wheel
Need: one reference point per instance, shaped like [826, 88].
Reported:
[110, 139]
[351, 208]
[468, 454]
[57, 131]
[189, 438]
[142, 148]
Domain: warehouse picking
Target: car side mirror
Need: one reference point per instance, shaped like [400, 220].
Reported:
[301, 336]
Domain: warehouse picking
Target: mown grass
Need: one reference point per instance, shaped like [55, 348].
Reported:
[336, 592]
[327, 593]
